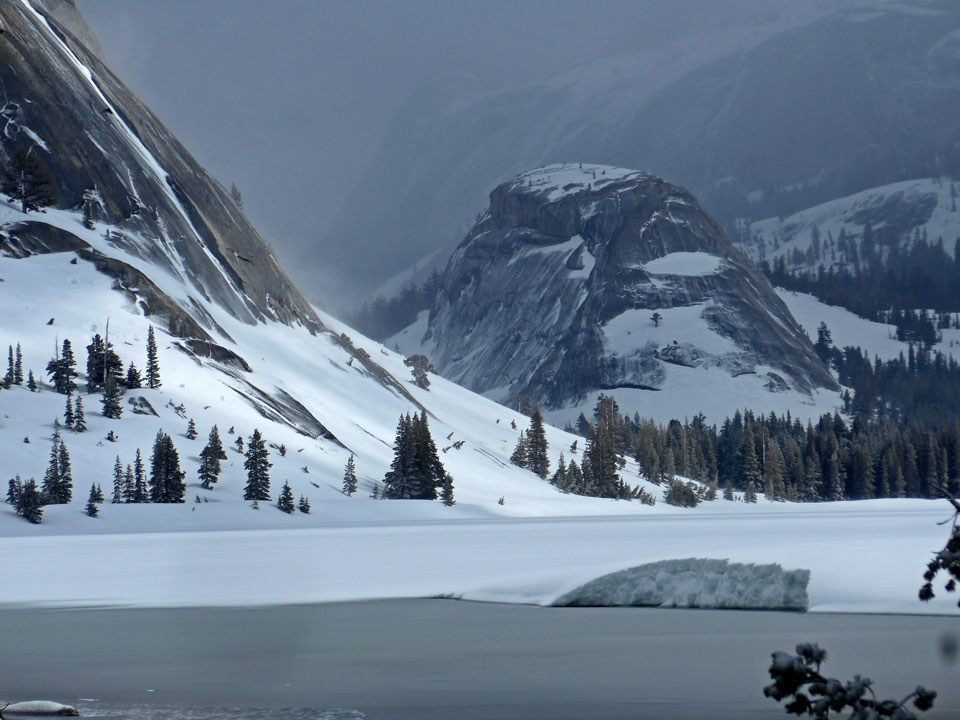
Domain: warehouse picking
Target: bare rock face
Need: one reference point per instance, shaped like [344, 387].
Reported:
[103, 144]
[584, 277]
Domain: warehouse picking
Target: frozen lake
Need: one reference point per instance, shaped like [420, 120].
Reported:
[422, 659]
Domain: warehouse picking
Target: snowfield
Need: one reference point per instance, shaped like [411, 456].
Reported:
[533, 548]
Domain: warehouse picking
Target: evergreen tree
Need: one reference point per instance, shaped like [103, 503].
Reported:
[111, 399]
[18, 367]
[350, 477]
[30, 505]
[750, 493]
[91, 509]
[773, 486]
[153, 365]
[537, 460]
[99, 493]
[102, 362]
[304, 505]
[575, 479]
[134, 380]
[58, 480]
[210, 458]
[26, 179]
[141, 491]
[748, 465]
[559, 478]
[416, 471]
[419, 367]
[8, 377]
[79, 419]
[238, 444]
[14, 488]
[519, 455]
[166, 478]
[446, 490]
[31, 382]
[191, 430]
[129, 485]
[258, 467]
[61, 370]
[68, 416]
[285, 501]
[117, 482]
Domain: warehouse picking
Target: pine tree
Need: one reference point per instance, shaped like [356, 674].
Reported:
[141, 492]
[773, 486]
[396, 483]
[79, 419]
[61, 370]
[68, 416]
[153, 365]
[14, 488]
[102, 361]
[30, 505]
[191, 430]
[238, 444]
[537, 459]
[559, 478]
[31, 382]
[117, 482]
[8, 377]
[258, 467]
[27, 180]
[519, 455]
[111, 399]
[99, 493]
[575, 479]
[18, 367]
[285, 501]
[210, 458]
[134, 380]
[350, 477]
[419, 367]
[750, 492]
[747, 464]
[66, 475]
[91, 509]
[129, 485]
[416, 471]
[446, 491]
[166, 477]
[53, 492]
[304, 505]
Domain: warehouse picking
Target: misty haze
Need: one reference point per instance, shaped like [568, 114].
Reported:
[480, 360]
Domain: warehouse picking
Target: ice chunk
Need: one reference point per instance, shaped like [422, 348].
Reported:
[40, 707]
[696, 583]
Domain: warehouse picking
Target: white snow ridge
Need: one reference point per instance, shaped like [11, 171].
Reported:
[696, 583]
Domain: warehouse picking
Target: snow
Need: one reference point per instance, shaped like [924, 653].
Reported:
[685, 263]
[795, 231]
[560, 180]
[634, 328]
[696, 583]
[847, 329]
[865, 556]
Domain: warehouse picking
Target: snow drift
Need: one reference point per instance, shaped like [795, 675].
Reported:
[41, 708]
[696, 583]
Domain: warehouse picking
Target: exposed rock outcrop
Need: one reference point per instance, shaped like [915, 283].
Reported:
[581, 278]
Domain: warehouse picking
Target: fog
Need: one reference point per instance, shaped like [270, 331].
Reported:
[291, 99]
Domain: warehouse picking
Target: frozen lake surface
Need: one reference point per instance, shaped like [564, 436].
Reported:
[422, 659]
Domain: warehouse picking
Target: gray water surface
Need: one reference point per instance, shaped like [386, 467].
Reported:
[424, 659]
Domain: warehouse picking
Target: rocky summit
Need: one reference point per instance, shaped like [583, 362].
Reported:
[581, 279]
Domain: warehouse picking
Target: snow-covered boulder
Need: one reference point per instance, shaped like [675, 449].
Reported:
[45, 708]
[696, 583]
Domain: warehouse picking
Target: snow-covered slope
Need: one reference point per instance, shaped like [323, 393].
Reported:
[587, 279]
[930, 207]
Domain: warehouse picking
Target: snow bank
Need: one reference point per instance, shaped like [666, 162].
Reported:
[40, 707]
[696, 583]
[684, 263]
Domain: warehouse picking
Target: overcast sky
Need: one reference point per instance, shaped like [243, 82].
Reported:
[290, 98]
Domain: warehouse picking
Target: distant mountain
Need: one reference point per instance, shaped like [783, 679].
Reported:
[898, 214]
[587, 279]
[755, 126]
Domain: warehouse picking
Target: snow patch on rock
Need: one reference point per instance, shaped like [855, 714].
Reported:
[684, 263]
[696, 583]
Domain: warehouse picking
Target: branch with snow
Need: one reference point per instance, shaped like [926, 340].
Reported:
[798, 678]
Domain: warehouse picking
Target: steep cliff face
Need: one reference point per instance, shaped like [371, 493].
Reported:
[102, 143]
[581, 278]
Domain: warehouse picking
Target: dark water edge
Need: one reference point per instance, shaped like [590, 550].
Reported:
[424, 659]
